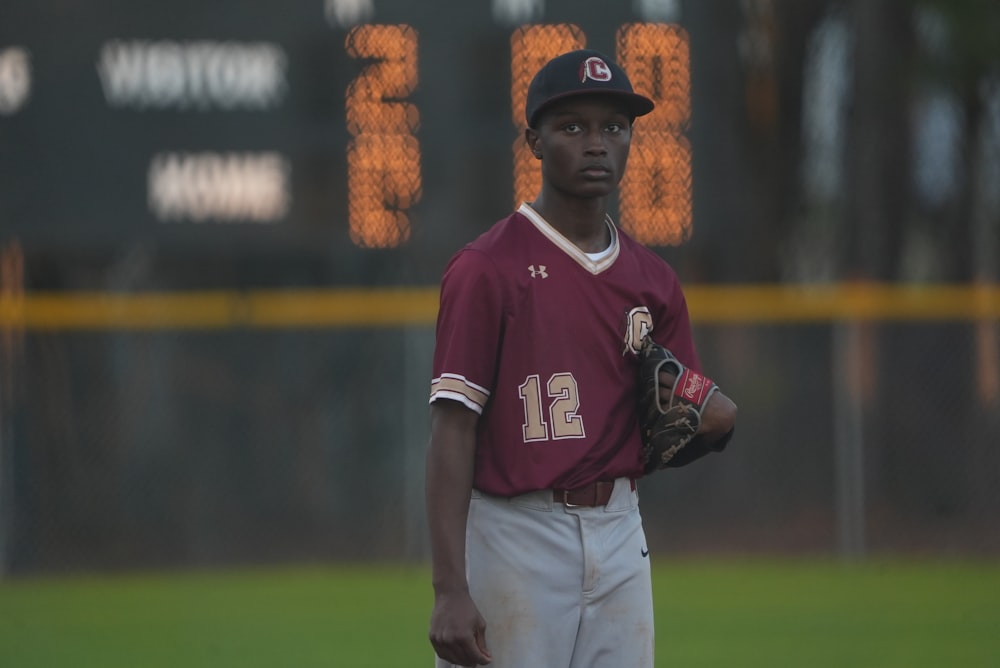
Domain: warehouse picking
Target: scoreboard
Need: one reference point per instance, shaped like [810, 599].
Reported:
[364, 131]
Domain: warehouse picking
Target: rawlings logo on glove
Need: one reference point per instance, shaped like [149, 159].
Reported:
[671, 401]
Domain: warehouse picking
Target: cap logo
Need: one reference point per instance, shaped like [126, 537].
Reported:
[596, 69]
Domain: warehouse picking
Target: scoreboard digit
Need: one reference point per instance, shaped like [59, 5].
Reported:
[531, 47]
[655, 197]
[383, 155]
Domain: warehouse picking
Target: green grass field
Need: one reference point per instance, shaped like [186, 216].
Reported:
[720, 613]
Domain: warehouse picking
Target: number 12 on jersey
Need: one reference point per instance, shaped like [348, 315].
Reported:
[563, 399]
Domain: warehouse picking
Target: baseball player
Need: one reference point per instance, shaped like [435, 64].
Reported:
[538, 551]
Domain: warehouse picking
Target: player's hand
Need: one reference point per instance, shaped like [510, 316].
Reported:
[458, 631]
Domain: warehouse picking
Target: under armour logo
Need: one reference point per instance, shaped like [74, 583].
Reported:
[538, 272]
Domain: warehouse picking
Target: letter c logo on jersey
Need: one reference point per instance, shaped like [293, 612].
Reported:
[596, 69]
[638, 324]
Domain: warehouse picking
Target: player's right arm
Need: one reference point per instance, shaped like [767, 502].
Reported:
[457, 630]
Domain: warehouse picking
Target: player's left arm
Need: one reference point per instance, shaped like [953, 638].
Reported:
[718, 418]
[693, 436]
[718, 424]
[683, 414]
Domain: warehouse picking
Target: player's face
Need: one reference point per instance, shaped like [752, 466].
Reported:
[584, 145]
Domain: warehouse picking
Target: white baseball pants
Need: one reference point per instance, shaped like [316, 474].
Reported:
[561, 587]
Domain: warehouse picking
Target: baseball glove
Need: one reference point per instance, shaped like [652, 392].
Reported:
[671, 400]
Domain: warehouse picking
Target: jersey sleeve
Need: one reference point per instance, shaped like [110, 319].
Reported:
[469, 330]
[672, 327]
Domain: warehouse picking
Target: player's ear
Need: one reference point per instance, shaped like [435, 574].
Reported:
[531, 138]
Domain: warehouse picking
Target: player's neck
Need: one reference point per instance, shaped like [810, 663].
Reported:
[582, 222]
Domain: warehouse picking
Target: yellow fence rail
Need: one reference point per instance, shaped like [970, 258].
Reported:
[394, 307]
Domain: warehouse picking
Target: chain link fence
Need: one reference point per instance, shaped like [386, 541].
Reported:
[125, 449]
[321, 147]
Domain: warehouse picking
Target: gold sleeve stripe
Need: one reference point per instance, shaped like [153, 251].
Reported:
[460, 398]
[448, 384]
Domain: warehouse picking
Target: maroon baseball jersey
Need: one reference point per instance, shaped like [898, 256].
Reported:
[541, 339]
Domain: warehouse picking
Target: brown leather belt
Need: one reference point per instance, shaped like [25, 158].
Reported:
[595, 494]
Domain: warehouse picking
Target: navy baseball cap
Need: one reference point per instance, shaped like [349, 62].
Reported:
[579, 73]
